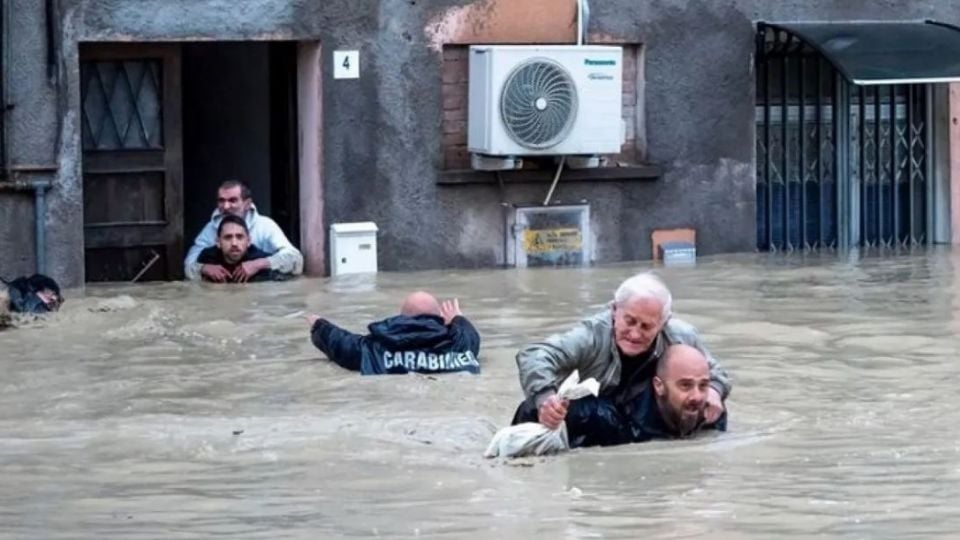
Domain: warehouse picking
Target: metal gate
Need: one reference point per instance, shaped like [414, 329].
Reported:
[838, 165]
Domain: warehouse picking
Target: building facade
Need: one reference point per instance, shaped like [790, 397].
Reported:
[122, 117]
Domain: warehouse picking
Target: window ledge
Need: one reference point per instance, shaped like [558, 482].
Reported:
[603, 174]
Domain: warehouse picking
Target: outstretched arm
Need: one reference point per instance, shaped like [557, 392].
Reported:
[340, 346]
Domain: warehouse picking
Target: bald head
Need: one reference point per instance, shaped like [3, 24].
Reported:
[682, 361]
[420, 303]
[681, 384]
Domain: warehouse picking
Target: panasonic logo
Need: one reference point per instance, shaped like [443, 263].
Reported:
[590, 62]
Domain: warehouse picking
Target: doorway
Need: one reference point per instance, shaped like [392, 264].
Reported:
[163, 126]
[240, 122]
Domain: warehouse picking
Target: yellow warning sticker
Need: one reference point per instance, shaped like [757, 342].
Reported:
[546, 240]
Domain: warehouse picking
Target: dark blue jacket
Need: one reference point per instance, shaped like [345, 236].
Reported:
[402, 344]
[599, 421]
[645, 422]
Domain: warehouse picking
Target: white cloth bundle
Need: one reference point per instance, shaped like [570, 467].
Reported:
[534, 438]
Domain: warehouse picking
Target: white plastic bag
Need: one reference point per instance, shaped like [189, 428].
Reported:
[534, 438]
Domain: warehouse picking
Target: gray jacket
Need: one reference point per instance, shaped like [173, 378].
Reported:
[590, 348]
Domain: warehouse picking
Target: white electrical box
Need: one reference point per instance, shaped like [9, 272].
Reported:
[353, 248]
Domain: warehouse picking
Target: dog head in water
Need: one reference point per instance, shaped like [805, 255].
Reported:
[35, 294]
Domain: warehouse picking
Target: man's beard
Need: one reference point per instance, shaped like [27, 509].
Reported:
[682, 425]
[233, 258]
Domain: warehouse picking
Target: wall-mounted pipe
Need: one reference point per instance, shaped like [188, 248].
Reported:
[39, 188]
[12, 173]
[556, 178]
[50, 28]
[3, 91]
[583, 21]
[39, 224]
[579, 22]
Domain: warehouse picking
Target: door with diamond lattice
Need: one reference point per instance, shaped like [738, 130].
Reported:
[132, 161]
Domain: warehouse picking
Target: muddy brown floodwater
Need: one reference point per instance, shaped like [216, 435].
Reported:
[176, 410]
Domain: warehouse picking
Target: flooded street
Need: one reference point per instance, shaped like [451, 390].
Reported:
[178, 410]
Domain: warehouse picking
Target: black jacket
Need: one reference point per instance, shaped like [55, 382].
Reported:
[600, 422]
[402, 344]
[213, 255]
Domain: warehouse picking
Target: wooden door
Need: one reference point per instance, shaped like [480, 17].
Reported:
[132, 161]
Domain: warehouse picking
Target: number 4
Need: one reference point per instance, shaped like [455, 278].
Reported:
[346, 64]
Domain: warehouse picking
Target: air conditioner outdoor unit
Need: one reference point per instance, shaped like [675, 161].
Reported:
[545, 100]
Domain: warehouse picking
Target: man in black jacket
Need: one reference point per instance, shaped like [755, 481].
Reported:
[236, 254]
[426, 337]
[671, 406]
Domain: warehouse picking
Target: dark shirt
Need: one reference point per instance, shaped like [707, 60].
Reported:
[601, 421]
[635, 375]
[644, 420]
[213, 255]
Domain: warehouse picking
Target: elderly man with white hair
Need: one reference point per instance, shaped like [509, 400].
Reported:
[620, 347]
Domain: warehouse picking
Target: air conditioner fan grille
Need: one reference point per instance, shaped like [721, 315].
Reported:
[538, 104]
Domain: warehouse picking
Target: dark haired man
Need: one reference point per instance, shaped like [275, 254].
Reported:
[276, 252]
[233, 249]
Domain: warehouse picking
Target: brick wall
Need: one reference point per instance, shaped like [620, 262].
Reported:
[454, 96]
[630, 152]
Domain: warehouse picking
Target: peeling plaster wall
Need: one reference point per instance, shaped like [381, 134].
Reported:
[382, 133]
[41, 145]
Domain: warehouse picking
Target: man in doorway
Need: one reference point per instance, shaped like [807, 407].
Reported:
[279, 255]
[673, 407]
[620, 347]
[233, 249]
[426, 337]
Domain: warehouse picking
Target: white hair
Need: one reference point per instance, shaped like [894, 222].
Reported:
[645, 285]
